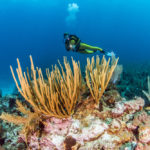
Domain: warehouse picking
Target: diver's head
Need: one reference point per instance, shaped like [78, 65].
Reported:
[66, 35]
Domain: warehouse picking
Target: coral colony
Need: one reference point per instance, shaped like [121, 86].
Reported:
[69, 111]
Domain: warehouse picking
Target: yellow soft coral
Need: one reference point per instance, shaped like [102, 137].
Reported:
[56, 97]
[98, 75]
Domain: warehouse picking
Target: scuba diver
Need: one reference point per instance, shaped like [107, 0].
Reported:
[73, 43]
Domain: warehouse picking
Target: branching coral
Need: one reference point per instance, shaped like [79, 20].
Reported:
[98, 75]
[67, 85]
[55, 97]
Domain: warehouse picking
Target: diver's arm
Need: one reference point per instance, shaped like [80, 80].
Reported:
[86, 46]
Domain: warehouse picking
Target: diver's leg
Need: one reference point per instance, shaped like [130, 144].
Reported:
[86, 51]
[89, 47]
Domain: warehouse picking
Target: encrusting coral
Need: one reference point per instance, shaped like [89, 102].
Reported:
[56, 97]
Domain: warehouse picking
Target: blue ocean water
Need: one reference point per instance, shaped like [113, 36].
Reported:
[36, 27]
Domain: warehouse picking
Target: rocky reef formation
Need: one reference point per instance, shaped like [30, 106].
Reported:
[93, 129]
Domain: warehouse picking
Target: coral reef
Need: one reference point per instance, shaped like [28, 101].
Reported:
[92, 131]
[133, 80]
[66, 112]
[9, 137]
[9, 133]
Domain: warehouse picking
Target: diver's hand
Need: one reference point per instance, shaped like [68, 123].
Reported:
[106, 53]
[109, 54]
